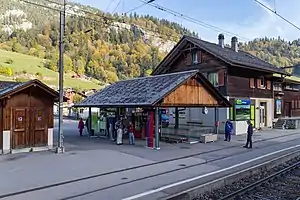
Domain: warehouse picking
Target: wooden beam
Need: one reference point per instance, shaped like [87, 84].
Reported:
[189, 49]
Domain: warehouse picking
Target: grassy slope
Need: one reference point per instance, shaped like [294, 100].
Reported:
[32, 65]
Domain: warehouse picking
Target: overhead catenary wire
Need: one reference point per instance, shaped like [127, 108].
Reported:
[275, 6]
[109, 4]
[106, 21]
[193, 20]
[117, 6]
[276, 13]
[139, 6]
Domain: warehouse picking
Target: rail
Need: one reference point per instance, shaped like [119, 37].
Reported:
[252, 186]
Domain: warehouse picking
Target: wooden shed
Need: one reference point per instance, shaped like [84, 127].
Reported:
[26, 116]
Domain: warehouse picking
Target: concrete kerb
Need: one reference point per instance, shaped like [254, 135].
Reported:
[222, 181]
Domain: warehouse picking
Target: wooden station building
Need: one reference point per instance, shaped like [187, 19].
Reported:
[181, 89]
[26, 116]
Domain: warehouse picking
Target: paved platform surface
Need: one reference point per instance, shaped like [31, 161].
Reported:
[108, 171]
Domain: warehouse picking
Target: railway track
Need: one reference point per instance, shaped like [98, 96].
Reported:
[282, 182]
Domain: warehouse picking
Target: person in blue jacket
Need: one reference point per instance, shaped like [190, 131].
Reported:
[228, 130]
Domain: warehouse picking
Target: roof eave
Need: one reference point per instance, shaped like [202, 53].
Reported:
[113, 105]
[258, 68]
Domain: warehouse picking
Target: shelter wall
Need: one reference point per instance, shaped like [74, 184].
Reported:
[190, 94]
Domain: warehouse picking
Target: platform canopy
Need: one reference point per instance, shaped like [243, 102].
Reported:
[181, 89]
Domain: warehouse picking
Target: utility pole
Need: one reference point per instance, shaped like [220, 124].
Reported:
[60, 146]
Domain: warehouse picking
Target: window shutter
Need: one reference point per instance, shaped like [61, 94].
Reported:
[268, 85]
[199, 57]
[293, 104]
[221, 77]
[252, 83]
[188, 59]
[258, 83]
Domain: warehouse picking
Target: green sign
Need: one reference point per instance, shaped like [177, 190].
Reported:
[95, 122]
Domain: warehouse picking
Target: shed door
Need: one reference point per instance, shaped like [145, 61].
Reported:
[20, 128]
[39, 129]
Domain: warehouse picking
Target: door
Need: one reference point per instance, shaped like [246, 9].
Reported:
[38, 127]
[262, 115]
[20, 128]
[287, 109]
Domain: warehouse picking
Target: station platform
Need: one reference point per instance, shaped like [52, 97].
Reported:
[98, 169]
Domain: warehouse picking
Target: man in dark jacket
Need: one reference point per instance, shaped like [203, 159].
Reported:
[228, 130]
[249, 135]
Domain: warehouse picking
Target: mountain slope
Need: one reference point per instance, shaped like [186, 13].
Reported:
[27, 67]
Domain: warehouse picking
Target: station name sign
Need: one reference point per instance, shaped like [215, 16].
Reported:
[242, 102]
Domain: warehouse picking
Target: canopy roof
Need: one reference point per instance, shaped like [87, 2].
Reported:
[146, 91]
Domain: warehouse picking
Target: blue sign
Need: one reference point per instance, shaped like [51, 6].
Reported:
[242, 102]
[163, 111]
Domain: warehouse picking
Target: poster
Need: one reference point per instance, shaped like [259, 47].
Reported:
[103, 123]
[242, 110]
[278, 106]
[95, 122]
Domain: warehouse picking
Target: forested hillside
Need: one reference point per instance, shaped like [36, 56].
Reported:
[276, 51]
[116, 47]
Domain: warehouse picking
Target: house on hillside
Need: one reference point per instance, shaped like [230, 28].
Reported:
[67, 106]
[244, 79]
[68, 109]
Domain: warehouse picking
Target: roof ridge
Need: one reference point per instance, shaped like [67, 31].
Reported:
[168, 74]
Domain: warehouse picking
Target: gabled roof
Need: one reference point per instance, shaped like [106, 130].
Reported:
[145, 91]
[9, 88]
[240, 58]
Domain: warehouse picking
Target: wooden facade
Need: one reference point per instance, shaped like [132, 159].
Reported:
[248, 83]
[290, 97]
[235, 74]
[230, 80]
[26, 115]
[191, 94]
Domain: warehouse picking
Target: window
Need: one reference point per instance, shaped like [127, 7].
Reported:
[262, 82]
[252, 83]
[277, 87]
[195, 57]
[213, 78]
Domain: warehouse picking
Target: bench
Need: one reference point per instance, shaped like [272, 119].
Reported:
[205, 138]
[173, 139]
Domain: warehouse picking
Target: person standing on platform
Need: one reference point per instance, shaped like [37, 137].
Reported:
[119, 135]
[249, 135]
[80, 126]
[87, 124]
[119, 127]
[131, 135]
[228, 130]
